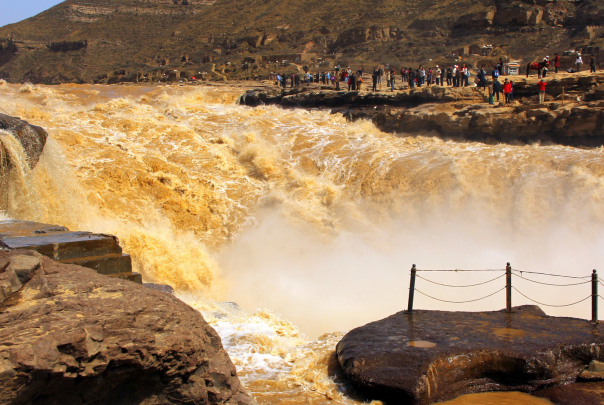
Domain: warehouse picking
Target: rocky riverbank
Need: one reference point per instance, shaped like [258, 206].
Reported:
[431, 356]
[70, 335]
[573, 113]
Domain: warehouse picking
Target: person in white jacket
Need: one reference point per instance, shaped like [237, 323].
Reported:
[579, 62]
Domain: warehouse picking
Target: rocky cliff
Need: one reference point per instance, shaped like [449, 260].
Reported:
[132, 40]
[464, 113]
[70, 336]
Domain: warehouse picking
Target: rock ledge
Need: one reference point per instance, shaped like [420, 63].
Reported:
[431, 356]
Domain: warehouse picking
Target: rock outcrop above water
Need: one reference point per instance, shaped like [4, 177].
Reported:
[300, 97]
[431, 356]
[464, 114]
[31, 137]
[571, 124]
[69, 336]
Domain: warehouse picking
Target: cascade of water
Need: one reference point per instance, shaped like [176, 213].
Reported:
[15, 177]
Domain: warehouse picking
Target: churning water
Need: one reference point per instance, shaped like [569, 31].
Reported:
[308, 222]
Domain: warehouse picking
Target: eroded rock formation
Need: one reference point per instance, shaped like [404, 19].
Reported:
[431, 356]
[69, 336]
[31, 137]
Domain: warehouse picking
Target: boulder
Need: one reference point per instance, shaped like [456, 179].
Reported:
[70, 336]
[31, 137]
[431, 356]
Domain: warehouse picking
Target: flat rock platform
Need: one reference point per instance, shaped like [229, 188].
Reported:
[96, 251]
[431, 356]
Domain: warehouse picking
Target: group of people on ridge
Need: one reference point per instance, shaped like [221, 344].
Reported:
[452, 75]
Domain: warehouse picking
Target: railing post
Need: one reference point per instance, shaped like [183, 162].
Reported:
[594, 296]
[411, 289]
[508, 288]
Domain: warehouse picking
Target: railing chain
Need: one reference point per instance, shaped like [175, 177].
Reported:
[460, 286]
[460, 302]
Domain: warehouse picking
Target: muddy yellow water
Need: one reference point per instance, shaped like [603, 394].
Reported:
[509, 332]
[497, 398]
[424, 344]
[308, 222]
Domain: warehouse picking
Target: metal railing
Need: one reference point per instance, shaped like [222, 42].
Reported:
[508, 272]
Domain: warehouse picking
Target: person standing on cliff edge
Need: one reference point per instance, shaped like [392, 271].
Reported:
[542, 85]
[507, 91]
[556, 62]
[482, 77]
[592, 64]
[374, 77]
[496, 88]
[579, 62]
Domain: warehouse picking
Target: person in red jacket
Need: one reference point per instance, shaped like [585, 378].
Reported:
[507, 91]
[542, 85]
[556, 62]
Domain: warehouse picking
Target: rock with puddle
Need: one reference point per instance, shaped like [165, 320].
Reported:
[432, 356]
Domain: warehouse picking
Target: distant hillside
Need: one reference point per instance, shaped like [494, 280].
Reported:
[120, 40]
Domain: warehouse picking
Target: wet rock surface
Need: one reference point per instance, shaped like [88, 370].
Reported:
[31, 137]
[69, 336]
[583, 393]
[431, 356]
[160, 287]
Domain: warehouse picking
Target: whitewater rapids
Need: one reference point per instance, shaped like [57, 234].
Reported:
[301, 216]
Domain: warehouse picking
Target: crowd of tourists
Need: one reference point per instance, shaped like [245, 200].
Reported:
[451, 75]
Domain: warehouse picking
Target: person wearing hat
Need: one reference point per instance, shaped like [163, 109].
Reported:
[542, 85]
[507, 91]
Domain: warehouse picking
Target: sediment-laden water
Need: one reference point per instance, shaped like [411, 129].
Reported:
[308, 222]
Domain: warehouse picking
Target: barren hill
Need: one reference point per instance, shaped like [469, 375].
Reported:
[117, 40]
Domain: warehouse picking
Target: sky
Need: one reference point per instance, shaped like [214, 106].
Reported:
[12, 11]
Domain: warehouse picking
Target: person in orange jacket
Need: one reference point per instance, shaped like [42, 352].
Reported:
[507, 91]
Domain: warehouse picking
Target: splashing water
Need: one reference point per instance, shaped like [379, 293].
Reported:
[303, 213]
